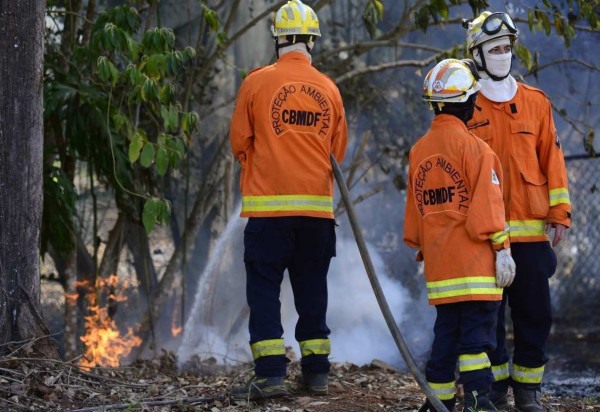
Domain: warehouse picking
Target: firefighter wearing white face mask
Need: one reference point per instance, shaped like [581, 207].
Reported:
[516, 121]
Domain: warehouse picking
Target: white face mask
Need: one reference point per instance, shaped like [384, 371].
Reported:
[498, 64]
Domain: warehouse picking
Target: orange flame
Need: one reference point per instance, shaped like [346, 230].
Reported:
[175, 329]
[103, 341]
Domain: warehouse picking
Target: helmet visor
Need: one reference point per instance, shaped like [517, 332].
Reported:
[494, 22]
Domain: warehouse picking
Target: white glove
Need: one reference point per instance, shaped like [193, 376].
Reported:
[505, 268]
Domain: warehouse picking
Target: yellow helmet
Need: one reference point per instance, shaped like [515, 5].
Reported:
[451, 81]
[295, 18]
[488, 26]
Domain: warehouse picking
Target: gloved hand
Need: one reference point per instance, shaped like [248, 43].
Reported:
[505, 268]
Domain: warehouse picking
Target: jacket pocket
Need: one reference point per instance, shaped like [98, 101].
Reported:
[524, 137]
[537, 192]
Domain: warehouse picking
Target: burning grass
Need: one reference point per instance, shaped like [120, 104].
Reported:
[104, 342]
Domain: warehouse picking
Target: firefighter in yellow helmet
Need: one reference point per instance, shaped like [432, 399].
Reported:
[288, 119]
[516, 121]
[455, 217]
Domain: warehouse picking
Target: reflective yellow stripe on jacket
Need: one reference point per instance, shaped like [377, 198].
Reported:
[281, 203]
[267, 348]
[499, 239]
[315, 347]
[527, 228]
[475, 285]
[558, 196]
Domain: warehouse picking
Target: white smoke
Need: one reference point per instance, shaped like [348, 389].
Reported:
[218, 327]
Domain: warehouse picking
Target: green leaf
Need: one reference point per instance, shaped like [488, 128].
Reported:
[103, 68]
[114, 73]
[524, 55]
[421, 18]
[222, 38]
[530, 21]
[135, 147]
[120, 121]
[133, 19]
[189, 53]
[211, 18]
[441, 7]
[164, 113]
[189, 122]
[154, 66]
[372, 15]
[173, 117]
[167, 92]
[132, 48]
[162, 161]
[588, 143]
[150, 214]
[176, 149]
[164, 212]
[546, 24]
[148, 90]
[147, 156]
[136, 77]
[168, 37]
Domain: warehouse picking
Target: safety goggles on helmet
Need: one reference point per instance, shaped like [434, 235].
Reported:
[493, 23]
[488, 26]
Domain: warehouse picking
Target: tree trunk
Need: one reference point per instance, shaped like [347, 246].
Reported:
[21, 142]
[138, 244]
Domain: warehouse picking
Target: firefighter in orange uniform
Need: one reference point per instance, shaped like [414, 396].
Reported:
[455, 217]
[288, 118]
[516, 121]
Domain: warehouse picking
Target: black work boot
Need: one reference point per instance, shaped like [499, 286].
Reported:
[478, 402]
[259, 387]
[316, 383]
[499, 399]
[528, 398]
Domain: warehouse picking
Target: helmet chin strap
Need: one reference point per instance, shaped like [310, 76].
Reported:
[282, 45]
[483, 66]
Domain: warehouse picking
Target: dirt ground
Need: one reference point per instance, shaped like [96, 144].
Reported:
[157, 385]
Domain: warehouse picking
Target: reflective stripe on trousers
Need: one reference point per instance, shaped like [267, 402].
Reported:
[315, 347]
[473, 362]
[522, 374]
[267, 348]
[444, 391]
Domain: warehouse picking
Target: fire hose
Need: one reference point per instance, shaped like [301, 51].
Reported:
[381, 300]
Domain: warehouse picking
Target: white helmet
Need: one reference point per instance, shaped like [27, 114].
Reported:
[488, 26]
[295, 18]
[451, 81]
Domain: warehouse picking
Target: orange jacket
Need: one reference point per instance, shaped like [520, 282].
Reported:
[454, 212]
[522, 133]
[288, 118]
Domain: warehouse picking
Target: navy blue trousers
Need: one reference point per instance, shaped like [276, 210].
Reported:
[304, 246]
[462, 328]
[529, 300]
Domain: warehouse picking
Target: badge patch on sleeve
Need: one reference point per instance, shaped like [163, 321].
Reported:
[495, 179]
[556, 140]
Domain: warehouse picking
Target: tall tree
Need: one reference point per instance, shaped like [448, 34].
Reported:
[21, 142]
